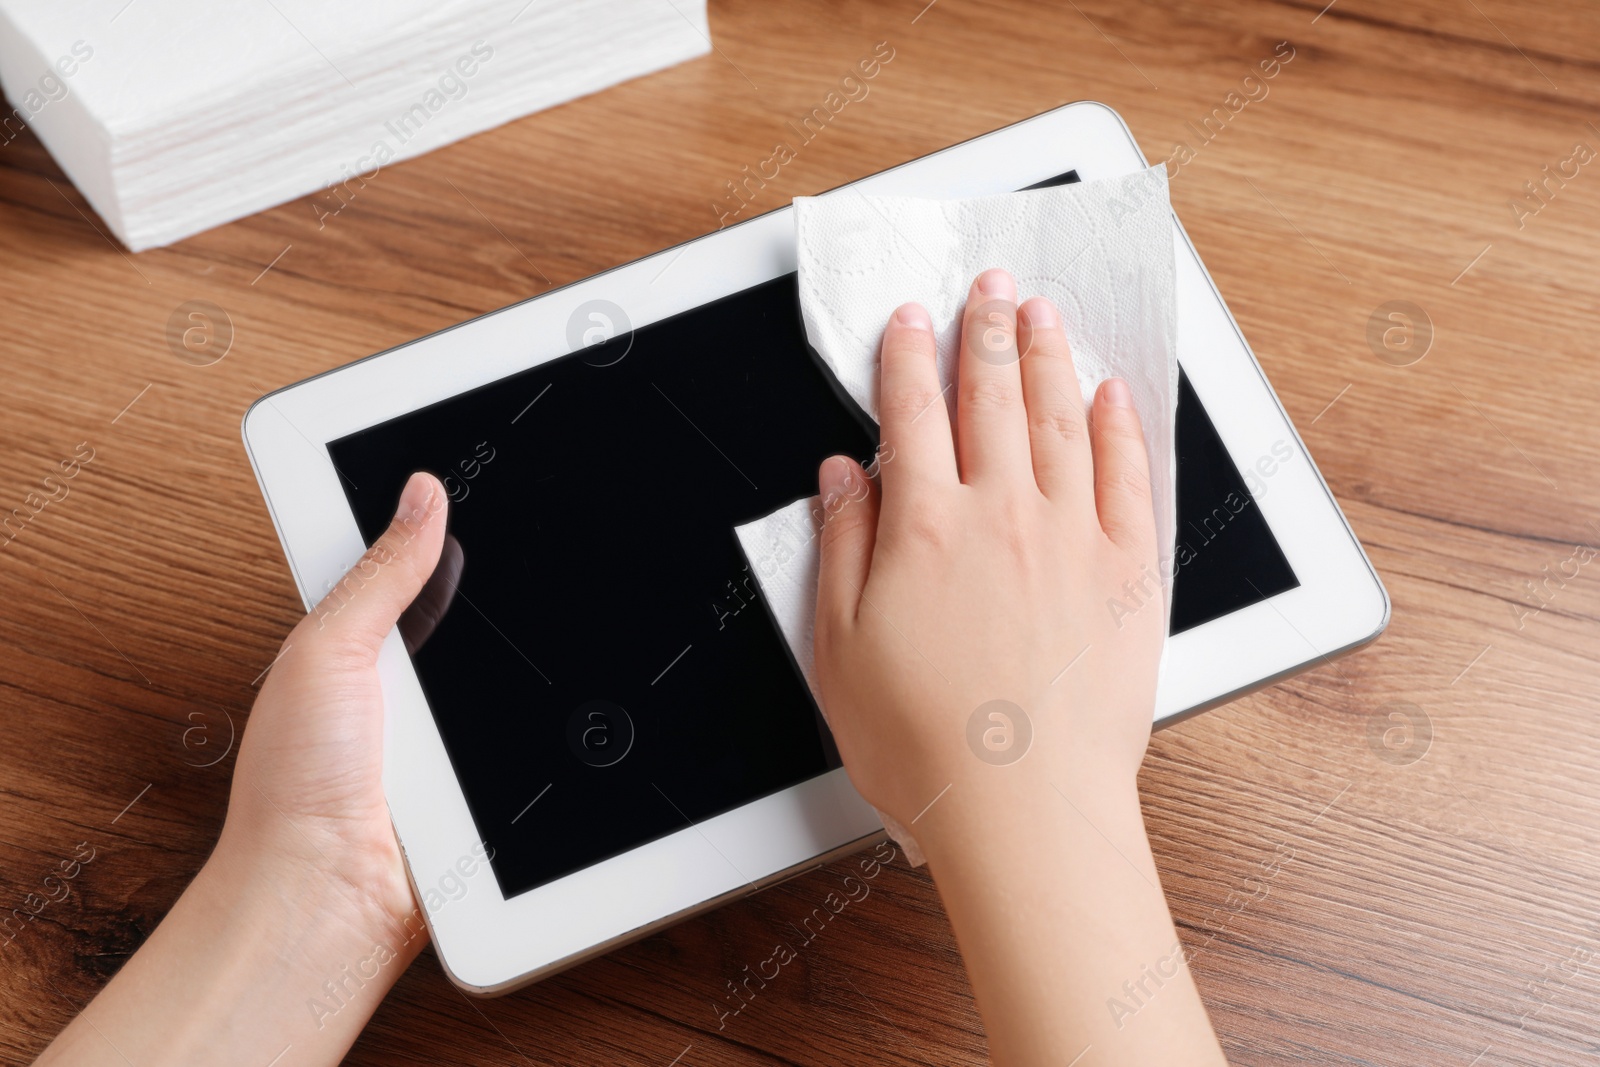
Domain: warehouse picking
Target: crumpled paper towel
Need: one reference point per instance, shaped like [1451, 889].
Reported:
[1102, 251]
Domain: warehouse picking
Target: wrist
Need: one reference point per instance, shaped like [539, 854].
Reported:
[1051, 889]
[322, 947]
[257, 955]
[291, 894]
[317, 874]
[1005, 757]
[999, 815]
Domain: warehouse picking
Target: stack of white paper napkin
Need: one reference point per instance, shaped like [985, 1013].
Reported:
[173, 116]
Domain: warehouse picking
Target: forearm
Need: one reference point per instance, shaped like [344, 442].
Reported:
[249, 962]
[1049, 882]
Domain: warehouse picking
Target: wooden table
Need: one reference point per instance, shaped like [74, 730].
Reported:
[1360, 888]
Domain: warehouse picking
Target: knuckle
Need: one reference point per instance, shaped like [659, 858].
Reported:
[842, 513]
[835, 527]
[907, 345]
[1123, 424]
[1012, 526]
[362, 645]
[906, 402]
[395, 551]
[1132, 483]
[336, 651]
[999, 316]
[1058, 421]
[416, 571]
[1137, 532]
[989, 393]
[1049, 344]
[922, 526]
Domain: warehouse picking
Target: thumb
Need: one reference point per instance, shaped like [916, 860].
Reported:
[849, 530]
[363, 607]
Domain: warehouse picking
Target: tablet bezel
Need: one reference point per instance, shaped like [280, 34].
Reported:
[488, 944]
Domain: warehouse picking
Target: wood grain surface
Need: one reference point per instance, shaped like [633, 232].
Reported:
[1357, 894]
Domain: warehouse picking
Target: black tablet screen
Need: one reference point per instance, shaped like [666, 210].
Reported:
[604, 673]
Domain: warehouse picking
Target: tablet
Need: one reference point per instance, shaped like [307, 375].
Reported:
[603, 732]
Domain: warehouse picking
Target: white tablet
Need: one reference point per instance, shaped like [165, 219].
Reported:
[605, 709]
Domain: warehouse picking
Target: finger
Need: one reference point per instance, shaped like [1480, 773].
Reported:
[362, 608]
[1058, 432]
[1121, 468]
[992, 430]
[849, 530]
[916, 441]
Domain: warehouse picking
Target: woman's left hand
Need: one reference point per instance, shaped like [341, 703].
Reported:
[302, 918]
[308, 788]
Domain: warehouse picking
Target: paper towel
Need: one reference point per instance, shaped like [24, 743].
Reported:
[1102, 251]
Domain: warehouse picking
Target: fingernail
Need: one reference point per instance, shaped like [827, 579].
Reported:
[833, 477]
[1040, 314]
[1117, 394]
[998, 284]
[913, 316]
[418, 494]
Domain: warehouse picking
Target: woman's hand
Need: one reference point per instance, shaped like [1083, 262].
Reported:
[989, 629]
[308, 788]
[302, 919]
[1010, 558]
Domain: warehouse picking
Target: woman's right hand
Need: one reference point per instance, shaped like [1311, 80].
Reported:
[1008, 558]
[989, 626]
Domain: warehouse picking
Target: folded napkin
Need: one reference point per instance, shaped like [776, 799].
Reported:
[173, 116]
[1102, 251]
